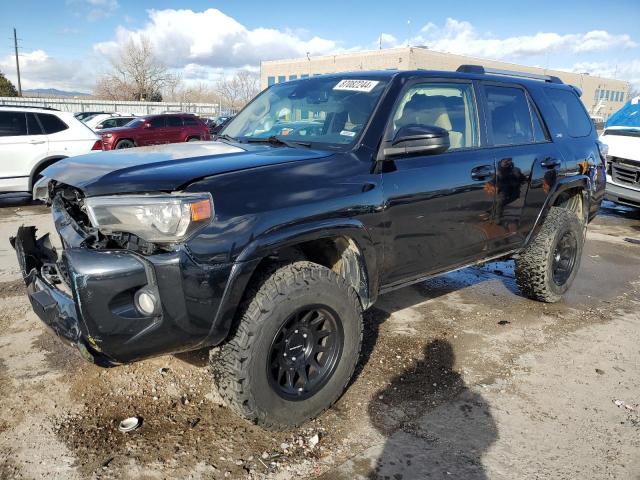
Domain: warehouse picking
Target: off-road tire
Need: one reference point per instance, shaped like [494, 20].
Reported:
[125, 144]
[240, 366]
[533, 270]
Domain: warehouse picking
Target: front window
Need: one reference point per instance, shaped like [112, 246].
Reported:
[446, 105]
[324, 111]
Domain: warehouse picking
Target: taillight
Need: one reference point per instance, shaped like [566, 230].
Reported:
[97, 145]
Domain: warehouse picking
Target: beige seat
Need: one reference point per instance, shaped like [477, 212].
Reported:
[433, 111]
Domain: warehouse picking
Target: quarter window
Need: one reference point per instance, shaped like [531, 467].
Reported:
[13, 124]
[51, 123]
[572, 113]
[445, 105]
[509, 115]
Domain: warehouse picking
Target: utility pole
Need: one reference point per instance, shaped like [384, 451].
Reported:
[15, 45]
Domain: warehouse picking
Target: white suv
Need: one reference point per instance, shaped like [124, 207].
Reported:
[31, 139]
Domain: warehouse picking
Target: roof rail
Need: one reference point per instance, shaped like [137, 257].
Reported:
[480, 70]
[28, 106]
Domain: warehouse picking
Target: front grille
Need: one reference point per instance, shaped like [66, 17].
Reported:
[626, 172]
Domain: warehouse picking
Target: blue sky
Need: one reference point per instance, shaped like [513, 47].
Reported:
[66, 44]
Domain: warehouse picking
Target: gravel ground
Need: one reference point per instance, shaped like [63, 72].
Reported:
[460, 377]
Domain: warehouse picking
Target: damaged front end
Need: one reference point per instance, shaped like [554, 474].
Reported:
[116, 298]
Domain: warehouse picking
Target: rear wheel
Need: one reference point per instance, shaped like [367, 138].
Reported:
[295, 348]
[546, 269]
[124, 144]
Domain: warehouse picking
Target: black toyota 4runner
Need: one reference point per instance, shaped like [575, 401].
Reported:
[322, 194]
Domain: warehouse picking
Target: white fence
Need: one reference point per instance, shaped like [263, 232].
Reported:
[138, 108]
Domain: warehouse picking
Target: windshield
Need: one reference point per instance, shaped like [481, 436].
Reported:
[320, 110]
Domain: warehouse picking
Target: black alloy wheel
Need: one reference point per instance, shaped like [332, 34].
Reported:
[304, 352]
[564, 258]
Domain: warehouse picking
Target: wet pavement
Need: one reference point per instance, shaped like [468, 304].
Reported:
[460, 377]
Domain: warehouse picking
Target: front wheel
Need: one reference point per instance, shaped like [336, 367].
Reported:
[295, 348]
[125, 144]
[547, 267]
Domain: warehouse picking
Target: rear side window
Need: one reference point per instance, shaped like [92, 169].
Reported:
[174, 121]
[32, 125]
[509, 115]
[51, 123]
[573, 115]
[157, 122]
[190, 121]
[13, 124]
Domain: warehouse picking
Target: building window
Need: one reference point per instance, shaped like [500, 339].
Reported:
[271, 81]
[597, 95]
[282, 78]
[293, 77]
[304, 75]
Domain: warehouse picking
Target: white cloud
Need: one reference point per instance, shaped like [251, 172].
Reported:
[39, 70]
[629, 70]
[461, 37]
[212, 38]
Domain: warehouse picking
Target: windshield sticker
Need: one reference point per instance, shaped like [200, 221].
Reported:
[356, 85]
[347, 133]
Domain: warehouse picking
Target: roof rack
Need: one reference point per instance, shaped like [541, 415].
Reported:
[28, 106]
[480, 70]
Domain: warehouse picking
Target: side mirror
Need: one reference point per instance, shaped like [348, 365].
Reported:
[418, 139]
[147, 125]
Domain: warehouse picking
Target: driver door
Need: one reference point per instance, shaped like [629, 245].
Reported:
[439, 206]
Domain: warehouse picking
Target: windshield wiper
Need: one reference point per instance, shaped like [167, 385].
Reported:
[224, 136]
[273, 140]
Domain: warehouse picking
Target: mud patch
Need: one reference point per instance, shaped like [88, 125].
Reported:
[13, 288]
[185, 425]
[57, 355]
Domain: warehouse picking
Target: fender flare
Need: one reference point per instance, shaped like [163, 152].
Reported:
[51, 160]
[562, 185]
[271, 241]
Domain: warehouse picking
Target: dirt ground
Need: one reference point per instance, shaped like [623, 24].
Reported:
[460, 377]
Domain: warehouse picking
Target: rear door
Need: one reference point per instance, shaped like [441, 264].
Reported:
[438, 207]
[527, 162]
[175, 129]
[22, 146]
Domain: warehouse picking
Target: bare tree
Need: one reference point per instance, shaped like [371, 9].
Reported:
[237, 91]
[136, 74]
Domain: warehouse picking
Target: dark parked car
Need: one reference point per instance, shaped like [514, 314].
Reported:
[155, 130]
[271, 246]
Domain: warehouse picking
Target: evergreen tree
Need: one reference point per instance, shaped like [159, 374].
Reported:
[6, 87]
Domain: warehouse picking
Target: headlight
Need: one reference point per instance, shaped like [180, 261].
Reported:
[106, 135]
[154, 218]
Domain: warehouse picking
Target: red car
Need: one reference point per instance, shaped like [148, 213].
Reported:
[155, 130]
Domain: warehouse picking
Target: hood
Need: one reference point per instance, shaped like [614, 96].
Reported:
[622, 143]
[167, 167]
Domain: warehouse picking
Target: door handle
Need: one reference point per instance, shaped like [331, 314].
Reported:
[36, 142]
[550, 162]
[482, 172]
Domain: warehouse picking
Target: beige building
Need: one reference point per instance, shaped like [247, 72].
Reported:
[602, 96]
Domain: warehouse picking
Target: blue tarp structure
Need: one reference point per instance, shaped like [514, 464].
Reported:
[627, 116]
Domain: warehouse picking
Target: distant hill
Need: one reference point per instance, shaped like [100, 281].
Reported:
[52, 92]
